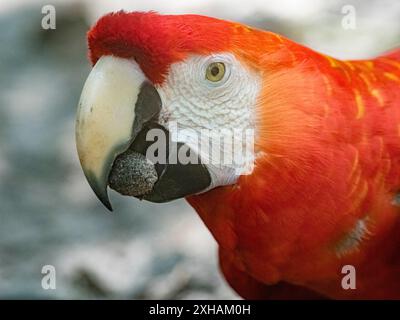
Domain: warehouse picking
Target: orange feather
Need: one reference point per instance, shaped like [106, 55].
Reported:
[327, 172]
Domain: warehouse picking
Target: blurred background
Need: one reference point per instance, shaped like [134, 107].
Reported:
[48, 213]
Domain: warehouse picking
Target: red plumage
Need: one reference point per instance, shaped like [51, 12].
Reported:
[328, 165]
[156, 41]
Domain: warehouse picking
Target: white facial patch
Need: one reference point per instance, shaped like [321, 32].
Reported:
[219, 112]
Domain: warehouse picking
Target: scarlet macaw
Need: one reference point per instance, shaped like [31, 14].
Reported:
[323, 192]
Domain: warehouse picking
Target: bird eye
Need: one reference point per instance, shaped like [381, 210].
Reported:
[215, 71]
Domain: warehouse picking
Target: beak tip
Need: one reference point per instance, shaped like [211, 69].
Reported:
[103, 197]
[100, 189]
[107, 204]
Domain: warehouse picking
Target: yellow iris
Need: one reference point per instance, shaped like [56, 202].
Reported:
[215, 71]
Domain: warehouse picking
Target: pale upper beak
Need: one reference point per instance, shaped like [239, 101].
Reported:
[105, 117]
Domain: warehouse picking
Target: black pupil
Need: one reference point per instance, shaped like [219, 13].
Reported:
[214, 71]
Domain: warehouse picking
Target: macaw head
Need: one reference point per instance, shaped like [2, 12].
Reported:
[165, 80]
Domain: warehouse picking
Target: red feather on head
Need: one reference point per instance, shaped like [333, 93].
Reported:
[156, 41]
